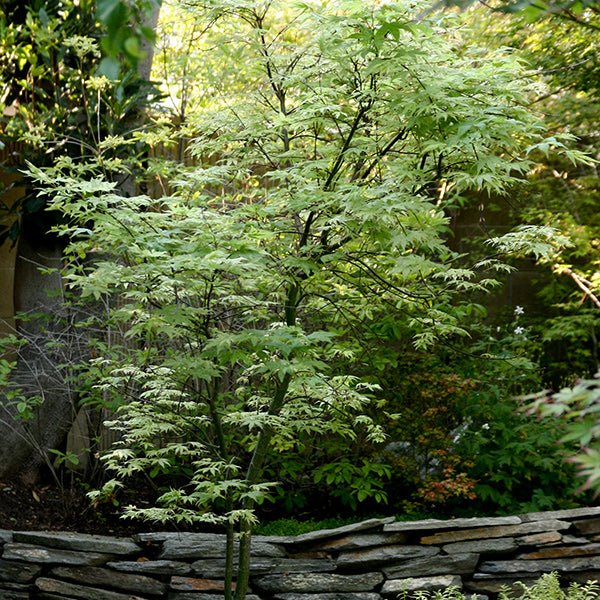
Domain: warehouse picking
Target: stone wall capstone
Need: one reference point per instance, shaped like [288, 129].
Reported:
[373, 560]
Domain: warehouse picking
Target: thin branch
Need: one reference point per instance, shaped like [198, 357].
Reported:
[581, 283]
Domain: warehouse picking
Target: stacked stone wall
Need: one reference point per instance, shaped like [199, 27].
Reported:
[373, 560]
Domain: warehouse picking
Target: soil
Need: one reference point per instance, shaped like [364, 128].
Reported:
[48, 508]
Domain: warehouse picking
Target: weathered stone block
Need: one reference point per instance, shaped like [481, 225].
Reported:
[6, 594]
[495, 532]
[570, 513]
[274, 539]
[367, 540]
[493, 545]
[441, 564]
[18, 572]
[437, 524]
[588, 527]
[317, 582]
[561, 552]
[78, 542]
[581, 577]
[540, 539]
[191, 584]
[54, 586]
[333, 596]
[152, 567]
[541, 566]
[177, 549]
[425, 584]
[383, 555]
[215, 567]
[96, 576]
[201, 596]
[5, 536]
[494, 586]
[36, 554]
[317, 536]
[572, 539]
[158, 537]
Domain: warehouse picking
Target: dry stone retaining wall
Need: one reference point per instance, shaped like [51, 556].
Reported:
[372, 560]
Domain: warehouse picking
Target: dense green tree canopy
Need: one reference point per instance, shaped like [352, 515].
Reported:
[326, 144]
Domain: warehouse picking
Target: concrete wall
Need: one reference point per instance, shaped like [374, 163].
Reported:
[372, 560]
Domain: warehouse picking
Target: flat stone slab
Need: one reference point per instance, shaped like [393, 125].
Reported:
[441, 564]
[495, 532]
[573, 539]
[359, 541]
[274, 539]
[37, 554]
[193, 584]
[588, 526]
[18, 572]
[493, 545]
[179, 536]
[323, 534]
[383, 555]
[543, 539]
[591, 563]
[6, 585]
[582, 577]
[80, 591]
[178, 548]
[5, 536]
[96, 576]
[215, 567]
[417, 584]
[317, 582]
[570, 513]
[561, 552]
[152, 567]
[194, 596]
[437, 524]
[15, 594]
[332, 596]
[494, 586]
[79, 542]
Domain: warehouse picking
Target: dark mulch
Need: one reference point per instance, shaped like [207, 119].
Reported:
[49, 508]
[46, 507]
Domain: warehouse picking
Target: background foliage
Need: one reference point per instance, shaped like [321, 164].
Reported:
[281, 280]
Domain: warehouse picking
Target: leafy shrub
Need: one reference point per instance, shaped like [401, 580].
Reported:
[576, 410]
[547, 587]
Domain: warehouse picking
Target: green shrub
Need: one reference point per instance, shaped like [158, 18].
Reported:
[547, 587]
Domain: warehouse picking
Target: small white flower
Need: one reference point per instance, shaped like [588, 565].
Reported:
[519, 310]
[498, 329]
[519, 330]
[485, 426]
